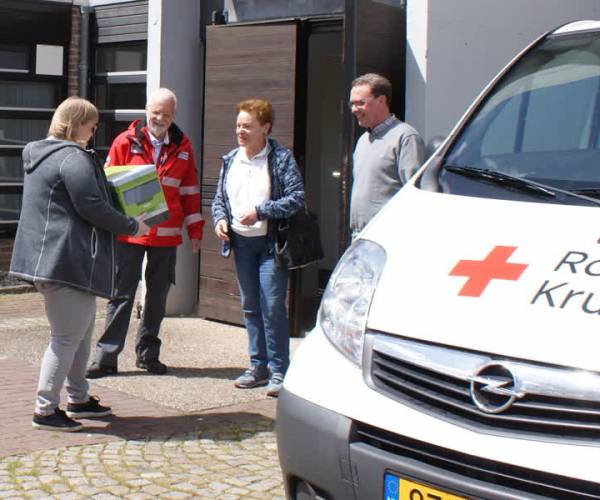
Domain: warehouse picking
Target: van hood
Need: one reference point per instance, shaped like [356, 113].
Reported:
[508, 278]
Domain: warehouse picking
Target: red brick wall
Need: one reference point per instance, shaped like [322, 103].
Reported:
[6, 245]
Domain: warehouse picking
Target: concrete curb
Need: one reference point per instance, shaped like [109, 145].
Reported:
[17, 289]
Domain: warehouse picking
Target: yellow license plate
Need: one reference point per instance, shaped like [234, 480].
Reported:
[398, 488]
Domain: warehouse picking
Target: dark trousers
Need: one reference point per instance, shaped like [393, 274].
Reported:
[160, 273]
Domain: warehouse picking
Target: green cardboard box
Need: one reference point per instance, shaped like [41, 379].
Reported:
[138, 191]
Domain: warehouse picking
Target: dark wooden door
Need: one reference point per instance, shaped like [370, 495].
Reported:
[241, 62]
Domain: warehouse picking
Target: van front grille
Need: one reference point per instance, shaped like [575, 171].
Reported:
[552, 402]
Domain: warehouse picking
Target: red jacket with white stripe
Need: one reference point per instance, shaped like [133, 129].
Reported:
[177, 174]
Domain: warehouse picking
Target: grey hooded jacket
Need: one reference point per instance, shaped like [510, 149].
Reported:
[65, 232]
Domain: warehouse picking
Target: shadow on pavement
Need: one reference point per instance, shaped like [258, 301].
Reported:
[227, 373]
[220, 426]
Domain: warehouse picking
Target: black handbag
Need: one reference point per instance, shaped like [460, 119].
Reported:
[298, 240]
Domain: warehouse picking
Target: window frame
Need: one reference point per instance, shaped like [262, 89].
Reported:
[27, 113]
[110, 116]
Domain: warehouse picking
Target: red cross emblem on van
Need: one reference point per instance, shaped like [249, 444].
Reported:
[481, 272]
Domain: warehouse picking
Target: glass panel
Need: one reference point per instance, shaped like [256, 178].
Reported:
[20, 131]
[29, 94]
[560, 117]
[122, 57]
[10, 206]
[11, 169]
[14, 57]
[251, 10]
[120, 96]
[542, 121]
[393, 3]
[107, 131]
[501, 135]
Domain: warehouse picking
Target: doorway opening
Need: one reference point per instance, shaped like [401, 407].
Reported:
[297, 66]
[320, 156]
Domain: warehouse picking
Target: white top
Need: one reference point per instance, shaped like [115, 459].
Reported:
[248, 185]
[157, 144]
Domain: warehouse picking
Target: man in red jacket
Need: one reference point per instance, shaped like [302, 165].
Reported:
[160, 142]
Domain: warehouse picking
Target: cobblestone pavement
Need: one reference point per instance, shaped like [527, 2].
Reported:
[226, 461]
[185, 435]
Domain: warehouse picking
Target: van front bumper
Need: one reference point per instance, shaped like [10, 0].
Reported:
[324, 455]
[312, 443]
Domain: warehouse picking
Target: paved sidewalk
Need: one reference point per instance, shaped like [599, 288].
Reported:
[188, 434]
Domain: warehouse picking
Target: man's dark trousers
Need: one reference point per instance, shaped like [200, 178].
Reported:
[160, 273]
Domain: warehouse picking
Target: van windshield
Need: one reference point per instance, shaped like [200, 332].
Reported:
[542, 120]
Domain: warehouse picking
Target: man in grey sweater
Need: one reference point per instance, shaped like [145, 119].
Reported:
[386, 155]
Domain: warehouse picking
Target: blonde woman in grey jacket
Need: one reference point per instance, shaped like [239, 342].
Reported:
[64, 246]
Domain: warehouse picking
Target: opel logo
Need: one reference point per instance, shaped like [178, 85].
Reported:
[494, 388]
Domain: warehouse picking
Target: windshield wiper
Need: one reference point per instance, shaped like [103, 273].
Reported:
[593, 192]
[502, 178]
[521, 183]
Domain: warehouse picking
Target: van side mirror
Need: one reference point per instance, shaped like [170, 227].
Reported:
[429, 177]
[434, 144]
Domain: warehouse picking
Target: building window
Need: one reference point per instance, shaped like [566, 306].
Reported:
[11, 170]
[121, 95]
[20, 94]
[118, 88]
[20, 131]
[109, 127]
[10, 206]
[30, 90]
[14, 58]
[111, 58]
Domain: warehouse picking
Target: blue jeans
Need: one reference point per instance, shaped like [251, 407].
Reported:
[263, 288]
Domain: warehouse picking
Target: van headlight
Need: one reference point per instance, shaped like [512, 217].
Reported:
[347, 298]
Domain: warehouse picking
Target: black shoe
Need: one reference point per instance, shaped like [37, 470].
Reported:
[96, 370]
[152, 366]
[57, 421]
[91, 409]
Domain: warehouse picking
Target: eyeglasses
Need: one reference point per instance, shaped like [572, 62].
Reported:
[360, 103]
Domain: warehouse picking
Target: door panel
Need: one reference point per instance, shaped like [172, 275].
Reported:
[241, 62]
[323, 160]
[384, 53]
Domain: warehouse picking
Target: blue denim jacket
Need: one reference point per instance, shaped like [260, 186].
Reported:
[287, 189]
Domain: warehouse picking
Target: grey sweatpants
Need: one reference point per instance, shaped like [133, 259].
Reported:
[71, 314]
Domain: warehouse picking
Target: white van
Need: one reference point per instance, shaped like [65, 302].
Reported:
[457, 349]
